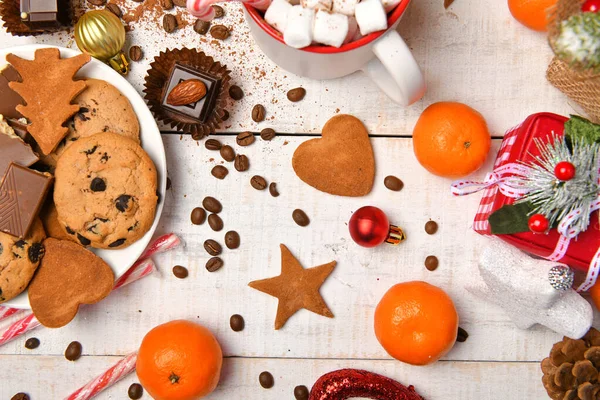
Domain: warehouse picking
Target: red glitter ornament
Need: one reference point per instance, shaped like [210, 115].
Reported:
[538, 223]
[564, 171]
[369, 227]
[591, 6]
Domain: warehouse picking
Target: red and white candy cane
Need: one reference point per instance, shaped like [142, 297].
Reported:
[202, 9]
[114, 374]
[6, 312]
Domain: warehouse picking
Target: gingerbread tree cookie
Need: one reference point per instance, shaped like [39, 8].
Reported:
[48, 88]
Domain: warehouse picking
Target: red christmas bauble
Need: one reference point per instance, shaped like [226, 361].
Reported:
[564, 171]
[591, 6]
[369, 226]
[538, 223]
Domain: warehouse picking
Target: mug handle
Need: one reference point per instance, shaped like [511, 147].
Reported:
[395, 70]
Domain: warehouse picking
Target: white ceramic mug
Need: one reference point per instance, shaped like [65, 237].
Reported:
[382, 55]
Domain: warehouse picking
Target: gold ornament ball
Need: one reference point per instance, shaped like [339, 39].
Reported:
[100, 33]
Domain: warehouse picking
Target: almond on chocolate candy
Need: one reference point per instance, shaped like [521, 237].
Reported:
[187, 92]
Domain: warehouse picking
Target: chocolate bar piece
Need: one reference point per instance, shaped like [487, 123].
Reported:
[22, 194]
[9, 99]
[13, 149]
[200, 110]
[40, 13]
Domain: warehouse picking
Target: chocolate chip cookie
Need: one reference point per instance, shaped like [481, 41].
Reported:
[105, 191]
[19, 258]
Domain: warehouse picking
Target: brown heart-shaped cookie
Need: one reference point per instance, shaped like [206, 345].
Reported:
[68, 276]
[341, 162]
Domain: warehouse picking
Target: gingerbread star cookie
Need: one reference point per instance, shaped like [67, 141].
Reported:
[296, 288]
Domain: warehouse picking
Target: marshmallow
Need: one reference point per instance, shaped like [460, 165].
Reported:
[299, 27]
[277, 13]
[345, 7]
[353, 31]
[370, 16]
[317, 4]
[389, 5]
[330, 29]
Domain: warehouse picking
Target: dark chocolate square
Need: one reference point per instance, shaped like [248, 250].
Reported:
[40, 12]
[200, 110]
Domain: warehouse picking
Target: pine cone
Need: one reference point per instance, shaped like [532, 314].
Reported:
[571, 369]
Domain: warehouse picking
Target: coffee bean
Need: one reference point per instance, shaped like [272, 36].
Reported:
[258, 113]
[219, 12]
[169, 23]
[115, 9]
[258, 182]
[301, 392]
[166, 4]
[219, 172]
[431, 227]
[241, 163]
[213, 144]
[296, 94]
[180, 272]
[245, 139]
[136, 53]
[198, 216]
[180, 3]
[212, 247]
[267, 134]
[393, 183]
[431, 263]
[300, 217]
[98, 185]
[32, 343]
[227, 153]
[211, 204]
[219, 32]
[232, 240]
[225, 116]
[73, 351]
[236, 322]
[273, 189]
[462, 335]
[266, 380]
[214, 264]
[215, 222]
[236, 92]
[135, 391]
[20, 396]
[201, 27]
[97, 3]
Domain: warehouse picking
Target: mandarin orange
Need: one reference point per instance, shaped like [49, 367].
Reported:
[531, 13]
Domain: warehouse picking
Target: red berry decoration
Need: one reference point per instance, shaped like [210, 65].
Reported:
[564, 171]
[369, 227]
[591, 6]
[538, 223]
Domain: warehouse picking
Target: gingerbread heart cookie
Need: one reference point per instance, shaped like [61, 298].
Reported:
[341, 162]
[68, 276]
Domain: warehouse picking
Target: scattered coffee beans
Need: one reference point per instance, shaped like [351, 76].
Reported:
[115, 9]
[201, 27]
[267, 134]
[180, 272]
[219, 172]
[431, 263]
[198, 216]
[73, 351]
[219, 32]
[214, 264]
[97, 3]
[135, 53]
[166, 4]
[300, 217]
[225, 116]
[462, 335]
[211, 204]
[241, 163]
[431, 227]
[297, 94]
[273, 189]
[258, 182]
[20, 396]
[301, 392]
[258, 113]
[215, 222]
[212, 247]
[212, 144]
[393, 183]
[135, 391]
[236, 92]
[169, 23]
[266, 380]
[219, 12]
[32, 343]
[232, 240]
[236, 322]
[227, 153]
[245, 139]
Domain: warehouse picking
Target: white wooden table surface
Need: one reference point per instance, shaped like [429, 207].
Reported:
[474, 53]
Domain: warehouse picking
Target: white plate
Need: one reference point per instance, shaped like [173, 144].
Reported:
[119, 260]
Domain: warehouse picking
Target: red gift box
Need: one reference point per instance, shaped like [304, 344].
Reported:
[518, 146]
